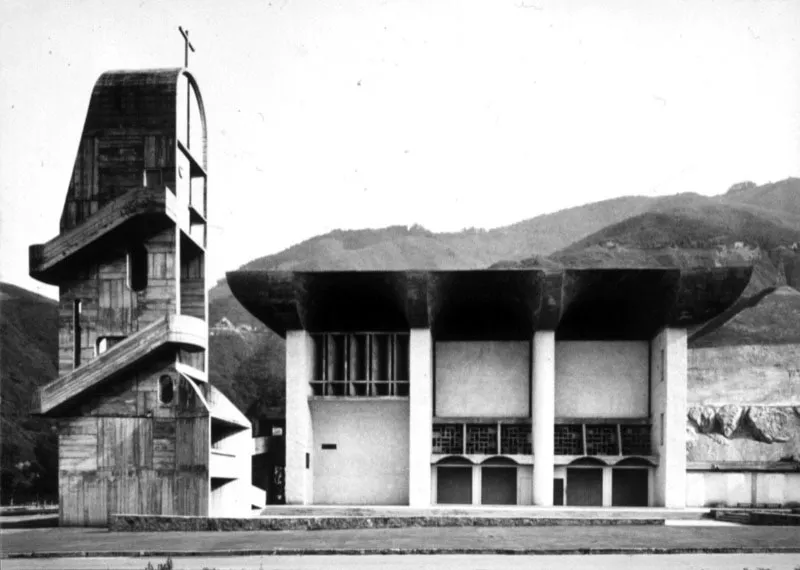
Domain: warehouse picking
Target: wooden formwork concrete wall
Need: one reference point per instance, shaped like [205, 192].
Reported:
[126, 451]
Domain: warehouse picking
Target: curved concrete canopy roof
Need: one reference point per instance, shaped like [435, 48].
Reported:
[622, 304]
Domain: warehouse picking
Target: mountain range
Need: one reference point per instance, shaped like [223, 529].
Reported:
[749, 224]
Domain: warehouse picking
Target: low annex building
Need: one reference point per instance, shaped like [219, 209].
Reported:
[140, 429]
[494, 387]
[743, 417]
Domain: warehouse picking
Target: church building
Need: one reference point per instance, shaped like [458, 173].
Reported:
[493, 387]
[420, 388]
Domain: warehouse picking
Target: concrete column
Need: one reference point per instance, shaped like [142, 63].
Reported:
[607, 487]
[420, 420]
[477, 484]
[543, 409]
[434, 481]
[299, 434]
[668, 408]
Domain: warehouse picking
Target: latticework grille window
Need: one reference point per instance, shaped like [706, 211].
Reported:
[568, 440]
[448, 438]
[602, 440]
[635, 440]
[515, 439]
[482, 439]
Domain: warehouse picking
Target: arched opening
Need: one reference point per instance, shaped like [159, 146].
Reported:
[499, 462]
[454, 460]
[630, 482]
[588, 462]
[137, 268]
[634, 462]
[454, 481]
[499, 481]
[192, 156]
[585, 482]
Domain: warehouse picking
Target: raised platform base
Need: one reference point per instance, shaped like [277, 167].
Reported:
[333, 518]
[144, 523]
[482, 511]
[769, 517]
[341, 518]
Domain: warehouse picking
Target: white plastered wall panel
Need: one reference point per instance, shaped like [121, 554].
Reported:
[709, 489]
[695, 490]
[525, 485]
[369, 464]
[607, 379]
[482, 378]
[771, 487]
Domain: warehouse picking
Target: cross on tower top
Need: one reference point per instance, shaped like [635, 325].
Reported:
[187, 45]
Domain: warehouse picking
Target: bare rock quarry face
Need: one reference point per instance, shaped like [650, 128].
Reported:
[767, 424]
[704, 417]
[743, 433]
[728, 419]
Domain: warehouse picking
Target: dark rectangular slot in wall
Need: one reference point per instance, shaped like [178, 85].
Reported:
[76, 332]
[152, 177]
[558, 492]
[328, 446]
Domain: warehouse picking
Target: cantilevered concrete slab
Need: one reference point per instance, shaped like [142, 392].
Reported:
[616, 304]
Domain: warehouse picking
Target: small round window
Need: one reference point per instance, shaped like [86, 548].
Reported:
[166, 390]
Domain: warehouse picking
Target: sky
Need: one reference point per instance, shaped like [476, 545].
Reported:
[445, 113]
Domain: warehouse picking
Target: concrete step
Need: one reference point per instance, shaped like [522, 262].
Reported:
[770, 517]
[162, 523]
[486, 511]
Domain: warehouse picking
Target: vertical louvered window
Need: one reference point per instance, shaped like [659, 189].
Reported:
[361, 364]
